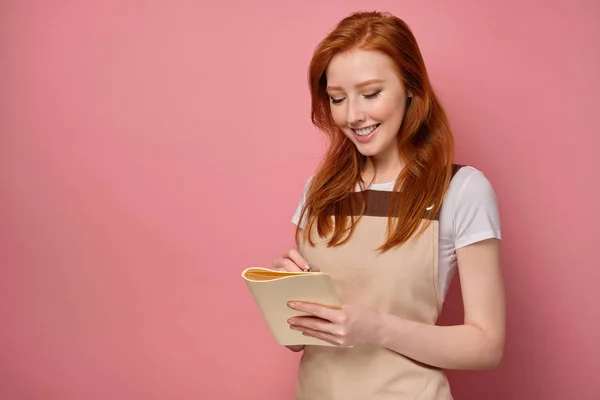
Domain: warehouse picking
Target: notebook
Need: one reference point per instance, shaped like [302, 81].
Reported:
[272, 290]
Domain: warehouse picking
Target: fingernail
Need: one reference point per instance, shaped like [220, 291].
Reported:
[291, 305]
[306, 266]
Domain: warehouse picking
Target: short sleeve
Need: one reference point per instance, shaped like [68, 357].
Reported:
[476, 214]
[296, 216]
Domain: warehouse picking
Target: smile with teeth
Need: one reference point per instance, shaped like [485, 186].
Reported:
[366, 131]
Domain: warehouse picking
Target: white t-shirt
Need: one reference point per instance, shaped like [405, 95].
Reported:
[469, 214]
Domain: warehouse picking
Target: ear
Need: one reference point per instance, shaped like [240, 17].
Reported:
[410, 94]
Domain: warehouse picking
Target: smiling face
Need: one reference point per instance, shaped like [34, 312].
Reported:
[367, 101]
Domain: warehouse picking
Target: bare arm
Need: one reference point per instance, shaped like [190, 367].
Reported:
[476, 344]
[479, 342]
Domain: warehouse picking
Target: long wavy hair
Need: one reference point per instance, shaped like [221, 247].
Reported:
[425, 141]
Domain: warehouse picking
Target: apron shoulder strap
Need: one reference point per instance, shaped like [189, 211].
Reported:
[455, 169]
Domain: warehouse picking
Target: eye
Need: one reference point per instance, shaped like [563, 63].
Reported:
[336, 101]
[372, 95]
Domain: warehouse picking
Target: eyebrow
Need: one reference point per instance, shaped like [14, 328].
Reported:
[360, 85]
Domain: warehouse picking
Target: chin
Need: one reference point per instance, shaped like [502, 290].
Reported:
[368, 150]
[372, 148]
[367, 153]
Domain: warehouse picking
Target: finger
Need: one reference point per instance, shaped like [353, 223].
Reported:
[285, 264]
[289, 265]
[319, 335]
[302, 262]
[277, 264]
[318, 310]
[314, 323]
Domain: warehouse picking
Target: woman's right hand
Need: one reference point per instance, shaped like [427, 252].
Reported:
[292, 261]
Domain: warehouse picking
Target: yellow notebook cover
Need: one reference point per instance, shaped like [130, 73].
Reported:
[272, 290]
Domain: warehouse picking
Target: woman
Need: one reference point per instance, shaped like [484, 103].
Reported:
[390, 217]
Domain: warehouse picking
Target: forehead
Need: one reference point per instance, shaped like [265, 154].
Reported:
[353, 67]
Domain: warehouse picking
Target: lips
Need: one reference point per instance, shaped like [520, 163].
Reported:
[363, 135]
[366, 130]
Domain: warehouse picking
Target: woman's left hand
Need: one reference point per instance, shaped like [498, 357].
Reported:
[348, 326]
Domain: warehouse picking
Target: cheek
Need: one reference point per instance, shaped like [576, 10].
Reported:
[338, 116]
[390, 111]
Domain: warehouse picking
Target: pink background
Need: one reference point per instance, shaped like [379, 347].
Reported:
[150, 151]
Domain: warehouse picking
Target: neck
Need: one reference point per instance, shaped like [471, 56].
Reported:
[383, 169]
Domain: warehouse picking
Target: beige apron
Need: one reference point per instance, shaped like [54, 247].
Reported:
[402, 281]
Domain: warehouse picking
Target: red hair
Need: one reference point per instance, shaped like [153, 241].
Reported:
[425, 142]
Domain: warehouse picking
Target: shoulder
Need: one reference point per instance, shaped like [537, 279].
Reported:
[300, 204]
[306, 185]
[470, 211]
[471, 183]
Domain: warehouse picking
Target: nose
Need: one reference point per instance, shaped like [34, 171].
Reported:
[355, 115]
